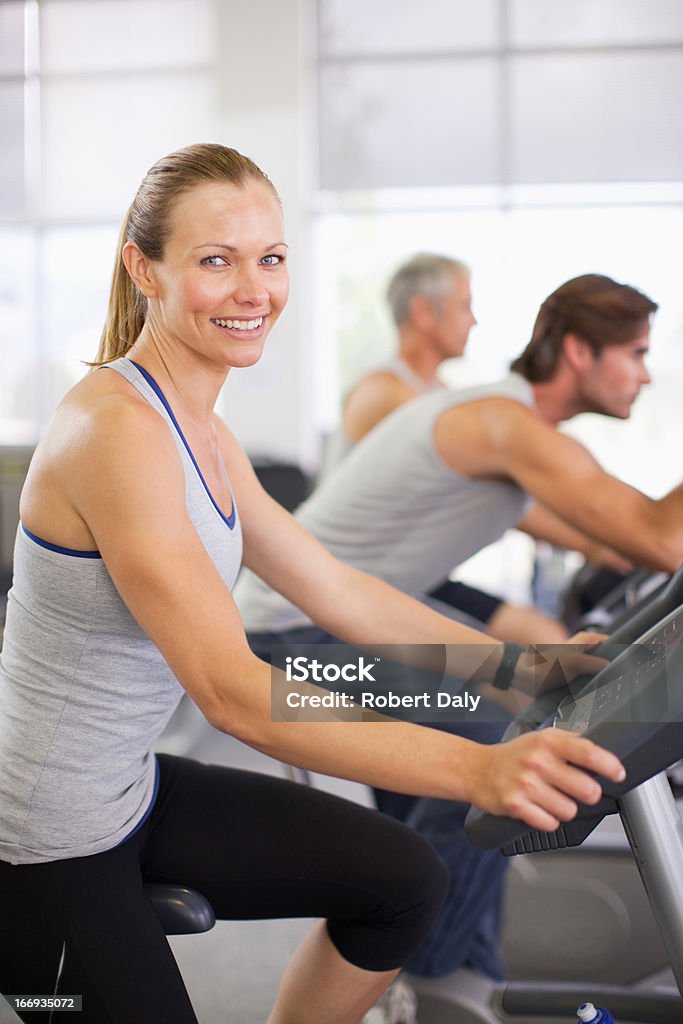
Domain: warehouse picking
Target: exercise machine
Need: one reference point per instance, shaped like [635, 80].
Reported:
[602, 600]
[633, 707]
[549, 900]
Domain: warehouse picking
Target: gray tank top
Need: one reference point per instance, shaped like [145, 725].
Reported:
[399, 368]
[84, 694]
[393, 509]
[339, 444]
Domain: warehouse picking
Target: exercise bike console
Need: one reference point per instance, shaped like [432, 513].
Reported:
[633, 707]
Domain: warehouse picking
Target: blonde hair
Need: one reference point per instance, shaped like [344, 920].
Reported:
[147, 223]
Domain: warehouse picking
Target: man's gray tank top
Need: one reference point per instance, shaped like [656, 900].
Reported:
[395, 510]
[339, 444]
[84, 694]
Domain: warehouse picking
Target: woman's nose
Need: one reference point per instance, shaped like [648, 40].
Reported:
[250, 287]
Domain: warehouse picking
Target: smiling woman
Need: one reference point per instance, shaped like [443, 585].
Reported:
[137, 510]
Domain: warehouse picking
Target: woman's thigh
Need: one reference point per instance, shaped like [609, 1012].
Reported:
[263, 847]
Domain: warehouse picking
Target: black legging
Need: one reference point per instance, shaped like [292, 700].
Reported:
[256, 847]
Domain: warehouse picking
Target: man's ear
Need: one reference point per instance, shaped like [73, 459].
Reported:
[578, 353]
[422, 313]
[140, 269]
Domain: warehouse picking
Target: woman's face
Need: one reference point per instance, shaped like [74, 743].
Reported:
[223, 280]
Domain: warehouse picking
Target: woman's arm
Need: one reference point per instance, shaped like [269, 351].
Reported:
[120, 473]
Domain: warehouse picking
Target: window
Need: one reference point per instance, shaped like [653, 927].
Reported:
[534, 139]
[69, 70]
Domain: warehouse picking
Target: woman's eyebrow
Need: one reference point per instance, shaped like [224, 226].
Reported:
[233, 248]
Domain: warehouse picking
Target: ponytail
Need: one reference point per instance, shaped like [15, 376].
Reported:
[126, 311]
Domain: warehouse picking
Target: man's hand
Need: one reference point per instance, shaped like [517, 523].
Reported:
[607, 558]
[547, 666]
[538, 778]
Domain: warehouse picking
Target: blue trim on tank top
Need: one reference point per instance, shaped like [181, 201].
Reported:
[56, 547]
[145, 816]
[229, 521]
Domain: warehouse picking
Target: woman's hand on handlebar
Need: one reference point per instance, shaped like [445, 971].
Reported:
[538, 778]
[545, 667]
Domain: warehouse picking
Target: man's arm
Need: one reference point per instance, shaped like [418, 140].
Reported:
[499, 438]
[370, 401]
[542, 524]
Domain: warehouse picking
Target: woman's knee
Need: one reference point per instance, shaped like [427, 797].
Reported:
[416, 885]
[401, 889]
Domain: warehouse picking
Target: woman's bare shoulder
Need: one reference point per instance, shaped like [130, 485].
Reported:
[102, 405]
[102, 436]
[101, 417]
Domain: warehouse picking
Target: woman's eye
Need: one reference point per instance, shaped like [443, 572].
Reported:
[272, 260]
[213, 261]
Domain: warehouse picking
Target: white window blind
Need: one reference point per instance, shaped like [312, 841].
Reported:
[91, 93]
[508, 92]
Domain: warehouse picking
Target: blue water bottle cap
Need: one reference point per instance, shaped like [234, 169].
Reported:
[589, 1014]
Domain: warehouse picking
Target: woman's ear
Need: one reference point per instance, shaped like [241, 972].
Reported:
[140, 269]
